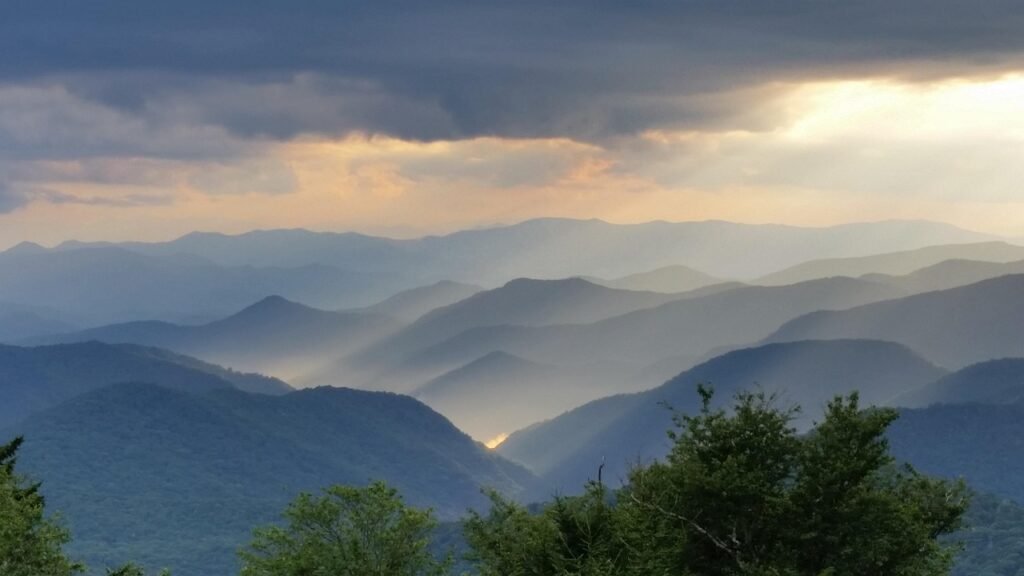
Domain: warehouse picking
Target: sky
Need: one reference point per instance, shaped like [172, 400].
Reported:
[123, 120]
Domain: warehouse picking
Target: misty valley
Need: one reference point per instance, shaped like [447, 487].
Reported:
[175, 396]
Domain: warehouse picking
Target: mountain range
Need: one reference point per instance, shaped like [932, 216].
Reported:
[203, 276]
[953, 328]
[135, 369]
[949, 274]
[668, 279]
[273, 336]
[112, 284]
[410, 304]
[177, 479]
[19, 322]
[209, 453]
[689, 326]
[554, 247]
[521, 302]
[896, 263]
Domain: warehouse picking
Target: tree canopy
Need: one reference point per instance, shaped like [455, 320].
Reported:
[741, 494]
[31, 544]
[346, 531]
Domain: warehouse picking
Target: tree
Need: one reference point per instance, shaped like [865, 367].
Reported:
[346, 532]
[742, 494]
[572, 535]
[127, 570]
[132, 570]
[30, 543]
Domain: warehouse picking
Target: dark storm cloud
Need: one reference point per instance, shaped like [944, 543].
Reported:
[459, 68]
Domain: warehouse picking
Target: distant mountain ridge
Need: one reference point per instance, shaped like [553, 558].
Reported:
[669, 279]
[525, 302]
[953, 328]
[993, 382]
[895, 263]
[949, 274]
[114, 284]
[35, 379]
[202, 276]
[18, 322]
[274, 336]
[410, 304]
[566, 247]
[691, 326]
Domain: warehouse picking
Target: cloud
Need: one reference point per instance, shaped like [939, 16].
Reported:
[457, 69]
[437, 115]
[10, 198]
[46, 121]
[123, 201]
[15, 196]
[948, 141]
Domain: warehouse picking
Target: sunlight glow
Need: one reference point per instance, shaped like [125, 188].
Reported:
[881, 109]
[493, 443]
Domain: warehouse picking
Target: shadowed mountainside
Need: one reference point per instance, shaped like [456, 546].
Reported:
[34, 379]
[181, 479]
[977, 442]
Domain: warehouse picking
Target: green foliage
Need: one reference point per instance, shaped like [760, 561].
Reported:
[133, 570]
[346, 532]
[572, 535]
[30, 543]
[742, 494]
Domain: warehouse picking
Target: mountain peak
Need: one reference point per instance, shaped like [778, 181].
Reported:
[272, 308]
[546, 284]
[26, 248]
[271, 303]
